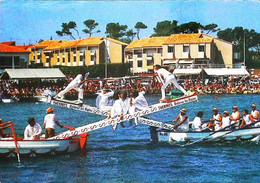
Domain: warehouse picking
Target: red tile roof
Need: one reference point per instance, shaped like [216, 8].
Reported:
[10, 43]
[11, 49]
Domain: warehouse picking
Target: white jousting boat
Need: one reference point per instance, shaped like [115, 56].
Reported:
[217, 136]
[13, 146]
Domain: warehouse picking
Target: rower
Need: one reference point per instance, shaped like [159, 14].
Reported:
[103, 102]
[246, 120]
[235, 116]
[216, 119]
[225, 120]
[33, 130]
[197, 123]
[183, 118]
[166, 78]
[254, 115]
[76, 84]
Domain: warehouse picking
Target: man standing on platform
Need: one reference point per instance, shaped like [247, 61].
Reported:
[166, 78]
[76, 84]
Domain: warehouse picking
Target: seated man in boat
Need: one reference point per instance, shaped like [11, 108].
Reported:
[216, 119]
[197, 123]
[235, 116]
[254, 115]
[137, 103]
[2, 134]
[246, 120]
[183, 119]
[33, 130]
[103, 100]
[76, 84]
[225, 121]
[166, 78]
[120, 108]
[50, 122]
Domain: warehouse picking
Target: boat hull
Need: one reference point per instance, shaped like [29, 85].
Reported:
[31, 148]
[221, 136]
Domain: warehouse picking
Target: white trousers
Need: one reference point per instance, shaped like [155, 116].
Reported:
[171, 79]
[70, 87]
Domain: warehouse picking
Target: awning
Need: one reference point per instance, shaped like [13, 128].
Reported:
[170, 62]
[226, 71]
[186, 71]
[53, 73]
[185, 61]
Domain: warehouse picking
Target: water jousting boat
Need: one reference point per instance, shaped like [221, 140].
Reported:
[243, 134]
[17, 146]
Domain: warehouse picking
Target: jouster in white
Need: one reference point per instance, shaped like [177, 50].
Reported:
[76, 84]
[103, 101]
[183, 118]
[167, 79]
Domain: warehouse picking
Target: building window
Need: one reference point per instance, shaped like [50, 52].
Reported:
[69, 54]
[201, 48]
[150, 62]
[186, 48]
[170, 49]
[140, 63]
[82, 55]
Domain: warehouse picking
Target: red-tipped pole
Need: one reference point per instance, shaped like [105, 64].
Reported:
[15, 141]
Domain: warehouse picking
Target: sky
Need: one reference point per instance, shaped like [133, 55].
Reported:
[26, 22]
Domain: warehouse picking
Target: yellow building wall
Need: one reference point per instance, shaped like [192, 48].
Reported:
[208, 50]
[144, 61]
[116, 53]
[77, 57]
[157, 58]
[226, 52]
[178, 49]
[165, 51]
[194, 50]
[54, 59]
[134, 63]
[87, 57]
[66, 58]
[43, 58]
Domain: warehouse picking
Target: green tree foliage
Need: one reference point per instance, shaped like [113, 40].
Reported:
[166, 28]
[66, 29]
[138, 27]
[91, 25]
[237, 37]
[130, 34]
[211, 28]
[115, 30]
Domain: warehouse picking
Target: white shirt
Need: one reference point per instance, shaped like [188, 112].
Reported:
[49, 121]
[29, 131]
[140, 102]
[75, 82]
[254, 113]
[162, 72]
[104, 99]
[185, 125]
[247, 119]
[225, 122]
[216, 119]
[196, 124]
[120, 107]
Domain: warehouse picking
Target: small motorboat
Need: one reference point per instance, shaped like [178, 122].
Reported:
[17, 146]
[10, 100]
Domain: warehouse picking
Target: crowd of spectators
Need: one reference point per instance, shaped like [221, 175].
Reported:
[30, 88]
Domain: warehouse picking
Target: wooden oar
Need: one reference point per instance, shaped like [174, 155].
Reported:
[15, 141]
[68, 127]
[203, 138]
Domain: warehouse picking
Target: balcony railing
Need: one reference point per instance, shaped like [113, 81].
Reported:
[170, 55]
[201, 55]
[80, 63]
[185, 55]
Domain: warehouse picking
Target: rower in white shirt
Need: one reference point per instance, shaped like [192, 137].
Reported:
[33, 130]
[76, 84]
[254, 115]
[225, 121]
[166, 78]
[103, 100]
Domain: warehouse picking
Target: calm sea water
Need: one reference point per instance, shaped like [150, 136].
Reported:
[127, 155]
